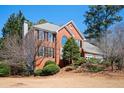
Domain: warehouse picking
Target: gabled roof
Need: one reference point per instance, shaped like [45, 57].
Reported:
[55, 28]
[90, 48]
[75, 27]
[48, 27]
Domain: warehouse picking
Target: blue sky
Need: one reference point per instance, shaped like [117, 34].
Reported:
[56, 14]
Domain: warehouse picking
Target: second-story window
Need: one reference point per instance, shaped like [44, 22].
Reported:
[41, 35]
[50, 36]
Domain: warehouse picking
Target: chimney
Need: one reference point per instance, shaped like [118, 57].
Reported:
[25, 28]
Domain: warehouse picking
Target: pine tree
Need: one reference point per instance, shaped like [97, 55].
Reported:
[99, 18]
[71, 51]
[14, 25]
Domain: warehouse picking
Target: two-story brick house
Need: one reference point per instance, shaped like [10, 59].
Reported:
[54, 37]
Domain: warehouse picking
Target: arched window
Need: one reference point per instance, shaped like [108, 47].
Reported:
[64, 39]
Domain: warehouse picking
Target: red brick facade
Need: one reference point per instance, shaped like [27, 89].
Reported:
[53, 46]
[67, 30]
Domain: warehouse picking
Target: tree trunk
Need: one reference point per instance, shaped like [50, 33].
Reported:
[112, 65]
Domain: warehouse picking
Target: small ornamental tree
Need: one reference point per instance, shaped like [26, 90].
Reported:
[70, 51]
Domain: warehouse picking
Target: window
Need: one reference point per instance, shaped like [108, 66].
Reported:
[45, 35]
[64, 39]
[50, 37]
[49, 52]
[41, 51]
[79, 43]
[41, 35]
[52, 52]
[46, 51]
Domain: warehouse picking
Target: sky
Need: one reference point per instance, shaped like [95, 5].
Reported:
[57, 14]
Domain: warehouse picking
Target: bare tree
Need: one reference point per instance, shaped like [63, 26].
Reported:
[31, 45]
[13, 49]
[119, 43]
[25, 50]
[31, 48]
[13, 53]
[112, 44]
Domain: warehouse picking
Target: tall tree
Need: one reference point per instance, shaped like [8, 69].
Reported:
[14, 25]
[99, 18]
[71, 51]
[41, 21]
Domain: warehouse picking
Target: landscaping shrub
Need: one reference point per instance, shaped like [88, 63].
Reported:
[80, 61]
[94, 65]
[38, 72]
[90, 64]
[95, 68]
[94, 60]
[19, 69]
[4, 70]
[49, 62]
[50, 69]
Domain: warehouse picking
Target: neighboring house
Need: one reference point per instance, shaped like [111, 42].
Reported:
[54, 37]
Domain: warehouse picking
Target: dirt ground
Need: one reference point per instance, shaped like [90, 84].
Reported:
[66, 80]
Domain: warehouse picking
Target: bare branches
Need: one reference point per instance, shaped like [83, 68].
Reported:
[31, 46]
[13, 50]
[113, 46]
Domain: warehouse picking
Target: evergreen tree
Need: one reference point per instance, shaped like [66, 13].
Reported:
[70, 51]
[14, 25]
[99, 18]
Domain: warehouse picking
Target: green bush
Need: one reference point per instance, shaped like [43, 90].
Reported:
[38, 72]
[19, 69]
[50, 69]
[80, 61]
[4, 70]
[49, 62]
[94, 60]
[89, 64]
[93, 68]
